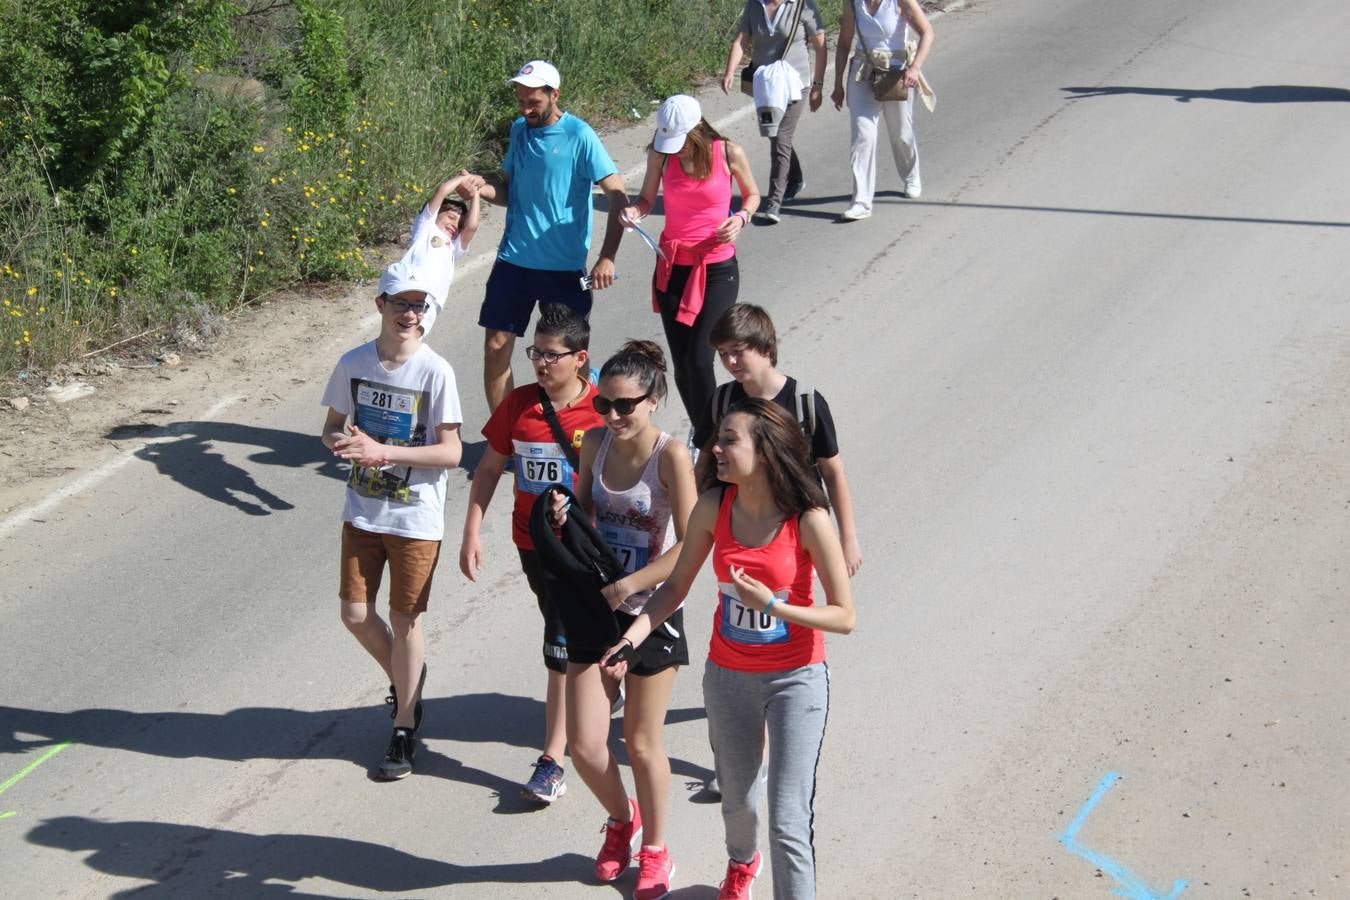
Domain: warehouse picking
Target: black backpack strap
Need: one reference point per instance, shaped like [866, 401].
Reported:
[721, 401]
[804, 406]
[559, 435]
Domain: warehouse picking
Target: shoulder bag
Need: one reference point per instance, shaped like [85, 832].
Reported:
[888, 83]
[748, 73]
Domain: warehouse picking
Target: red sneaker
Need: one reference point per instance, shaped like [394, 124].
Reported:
[655, 869]
[617, 850]
[736, 886]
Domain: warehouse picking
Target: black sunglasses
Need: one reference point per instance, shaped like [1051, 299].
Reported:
[624, 406]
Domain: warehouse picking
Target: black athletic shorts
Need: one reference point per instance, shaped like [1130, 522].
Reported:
[545, 588]
[663, 648]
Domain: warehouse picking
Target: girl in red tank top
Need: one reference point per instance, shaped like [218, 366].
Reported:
[764, 517]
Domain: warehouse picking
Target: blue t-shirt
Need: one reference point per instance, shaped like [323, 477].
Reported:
[548, 210]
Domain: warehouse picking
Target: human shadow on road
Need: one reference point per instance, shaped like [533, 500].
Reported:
[193, 861]
[184, 451]
[1261, 93]
[356, 735]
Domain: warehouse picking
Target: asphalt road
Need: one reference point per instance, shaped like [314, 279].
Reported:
[1094, 392]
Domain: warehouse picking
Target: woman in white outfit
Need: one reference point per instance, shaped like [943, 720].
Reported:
[879, 25]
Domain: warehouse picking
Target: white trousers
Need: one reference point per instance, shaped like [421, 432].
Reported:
[864, 111]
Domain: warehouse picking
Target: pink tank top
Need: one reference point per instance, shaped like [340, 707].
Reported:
[696, 206]
[745, 639]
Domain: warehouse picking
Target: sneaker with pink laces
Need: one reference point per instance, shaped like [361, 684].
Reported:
[617, 850]
[655, 869]
[736, 886]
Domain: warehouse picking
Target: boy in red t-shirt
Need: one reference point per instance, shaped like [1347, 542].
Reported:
[519, 430]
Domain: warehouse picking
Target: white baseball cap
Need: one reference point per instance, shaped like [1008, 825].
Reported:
[537, 73]
[405, 275]
[678, 116]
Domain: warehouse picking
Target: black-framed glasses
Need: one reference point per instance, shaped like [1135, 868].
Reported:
[548, 356]
[624, 406]
[418, 307]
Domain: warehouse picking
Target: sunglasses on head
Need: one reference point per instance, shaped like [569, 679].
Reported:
[624, 406]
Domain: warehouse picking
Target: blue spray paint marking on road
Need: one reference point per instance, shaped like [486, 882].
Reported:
[1130, 884]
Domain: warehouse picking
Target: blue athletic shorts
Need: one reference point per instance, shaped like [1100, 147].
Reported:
[512, 292]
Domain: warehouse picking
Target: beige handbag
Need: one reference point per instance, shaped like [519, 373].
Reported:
[887, 83]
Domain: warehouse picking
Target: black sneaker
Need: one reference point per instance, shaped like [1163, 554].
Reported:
[793, 189]
[398, 759]
[392, 701]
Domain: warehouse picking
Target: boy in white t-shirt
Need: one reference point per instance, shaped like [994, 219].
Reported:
[441, 234]
[393, 412]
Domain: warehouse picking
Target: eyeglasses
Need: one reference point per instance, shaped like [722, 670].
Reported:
[401, 306]
[548, 356]
[624, 406]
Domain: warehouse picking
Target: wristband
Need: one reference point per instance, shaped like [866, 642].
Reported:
[769, 608]
[743, 216]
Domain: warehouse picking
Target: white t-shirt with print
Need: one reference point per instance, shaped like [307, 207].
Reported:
[433, 254]
[403, 406]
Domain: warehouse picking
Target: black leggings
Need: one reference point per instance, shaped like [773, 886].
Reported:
[690, 351]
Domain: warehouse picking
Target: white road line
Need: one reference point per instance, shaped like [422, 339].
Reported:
[94, 476]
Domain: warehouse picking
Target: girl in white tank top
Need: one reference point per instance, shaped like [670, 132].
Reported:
[638, 484]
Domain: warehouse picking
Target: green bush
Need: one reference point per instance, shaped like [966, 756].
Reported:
[165, 156]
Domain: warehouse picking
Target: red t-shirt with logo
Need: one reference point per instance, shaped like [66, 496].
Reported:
[519, 430]
[750, 641]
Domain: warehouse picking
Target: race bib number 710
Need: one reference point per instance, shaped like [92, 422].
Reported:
[746, 625]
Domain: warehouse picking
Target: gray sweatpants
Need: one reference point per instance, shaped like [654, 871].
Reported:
[794, 704]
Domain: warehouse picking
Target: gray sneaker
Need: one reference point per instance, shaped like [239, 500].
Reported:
[768, 216]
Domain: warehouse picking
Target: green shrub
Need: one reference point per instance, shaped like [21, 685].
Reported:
[161, 155]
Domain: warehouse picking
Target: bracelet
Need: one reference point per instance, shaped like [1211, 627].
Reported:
[743, 216]
[630, 642]
[819, 84]
[772, 601]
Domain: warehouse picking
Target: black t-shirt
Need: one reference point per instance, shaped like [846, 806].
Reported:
[824, 441]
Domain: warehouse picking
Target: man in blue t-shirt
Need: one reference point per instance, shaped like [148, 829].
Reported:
[545, 184]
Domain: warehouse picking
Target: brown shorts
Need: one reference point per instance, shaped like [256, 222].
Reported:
[411, 565]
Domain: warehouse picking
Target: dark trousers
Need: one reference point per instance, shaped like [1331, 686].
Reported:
[690, 352]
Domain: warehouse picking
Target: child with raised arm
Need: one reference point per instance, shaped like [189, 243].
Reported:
[441, 234]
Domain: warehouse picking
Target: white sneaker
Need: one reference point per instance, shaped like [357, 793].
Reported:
[913, 187]
[854, 213]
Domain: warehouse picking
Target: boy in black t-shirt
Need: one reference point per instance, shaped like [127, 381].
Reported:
[747, 345]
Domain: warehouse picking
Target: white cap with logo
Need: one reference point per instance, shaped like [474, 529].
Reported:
[408, 275]
[678, 116]
[537, 73]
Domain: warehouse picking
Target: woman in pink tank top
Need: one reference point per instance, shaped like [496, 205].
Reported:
[765, 519]
[697, 276]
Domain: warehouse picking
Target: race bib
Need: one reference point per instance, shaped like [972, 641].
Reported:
[744, 625]
[631, 546]
[539, 465]
[388, 414]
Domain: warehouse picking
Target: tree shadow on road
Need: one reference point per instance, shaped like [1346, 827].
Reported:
[184, 451]
[193, 861]
[1261, 93]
